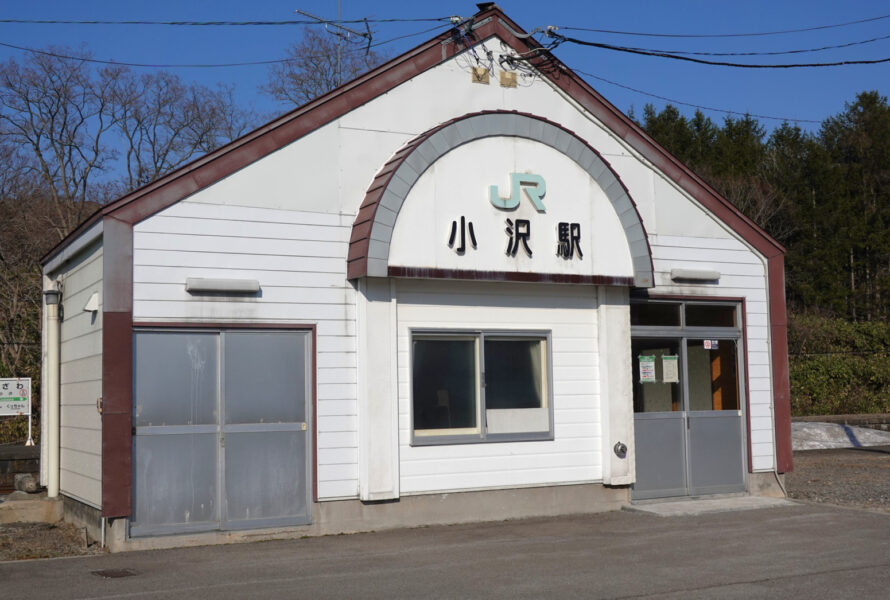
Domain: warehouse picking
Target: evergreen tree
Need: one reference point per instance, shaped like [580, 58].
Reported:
[858, 144]
[826, 196]
[738, 148]
[670, 129]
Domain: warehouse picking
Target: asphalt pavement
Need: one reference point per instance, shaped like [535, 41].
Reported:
[797, 551]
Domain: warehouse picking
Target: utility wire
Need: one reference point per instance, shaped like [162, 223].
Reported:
[715, 62]
[774, 53]
[197, 65]
[154, 66]
[218, 23]
[559, 38]
[698, 106]
[409, 35]
[725, 35]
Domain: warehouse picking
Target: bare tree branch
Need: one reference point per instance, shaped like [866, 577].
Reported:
[314, 68]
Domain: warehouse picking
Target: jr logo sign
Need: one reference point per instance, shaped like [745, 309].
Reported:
[534, 187]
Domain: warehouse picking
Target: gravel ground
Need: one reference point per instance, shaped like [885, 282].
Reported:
[19, 541]
[858, 477]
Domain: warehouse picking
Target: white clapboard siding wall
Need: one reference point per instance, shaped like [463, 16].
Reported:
[299, 259]
[81, 380]
[743, 275]
[569, 313]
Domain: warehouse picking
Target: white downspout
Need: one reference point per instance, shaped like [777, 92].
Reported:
[53, 298]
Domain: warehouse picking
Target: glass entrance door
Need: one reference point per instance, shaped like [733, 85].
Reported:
[659, 418]
[714, 417]
[687, 400]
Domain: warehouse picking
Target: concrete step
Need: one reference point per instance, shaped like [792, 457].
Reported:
[19, 507]
[701, 506]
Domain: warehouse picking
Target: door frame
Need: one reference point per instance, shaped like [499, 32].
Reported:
[683, 333]
[312, 405]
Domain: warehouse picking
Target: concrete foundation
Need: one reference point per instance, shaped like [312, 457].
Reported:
[83, 516]
[354, 516]
[770, 484]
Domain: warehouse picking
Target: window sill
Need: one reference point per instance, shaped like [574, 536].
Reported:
[451, 440]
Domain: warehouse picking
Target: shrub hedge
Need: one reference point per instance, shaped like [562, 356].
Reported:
[838, 366]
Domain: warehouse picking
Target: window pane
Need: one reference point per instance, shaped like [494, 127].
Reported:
[176, 378]
[513, 374]
[444, 384]
[713, 382]
[656, 382]
[266, 475]
[704, 315]
[265, 377]
[175, 479]
[655, 314]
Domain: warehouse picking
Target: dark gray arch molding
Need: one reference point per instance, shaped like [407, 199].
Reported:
[373, 227]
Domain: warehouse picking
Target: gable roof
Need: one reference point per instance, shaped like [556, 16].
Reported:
[491, 21]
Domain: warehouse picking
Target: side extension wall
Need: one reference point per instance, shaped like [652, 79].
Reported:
[81, 379]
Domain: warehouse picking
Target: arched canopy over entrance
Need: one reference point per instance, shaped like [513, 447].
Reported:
[576, 208]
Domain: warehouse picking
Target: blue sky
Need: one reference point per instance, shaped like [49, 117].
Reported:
[800, 94]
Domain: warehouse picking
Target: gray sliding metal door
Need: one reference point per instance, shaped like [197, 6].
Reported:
[221, 429]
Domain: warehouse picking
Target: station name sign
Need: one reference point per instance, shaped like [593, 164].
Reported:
[510, 205]
[518, 231]
[15, 397]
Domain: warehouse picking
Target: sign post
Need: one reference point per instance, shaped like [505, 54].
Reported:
[15, 400]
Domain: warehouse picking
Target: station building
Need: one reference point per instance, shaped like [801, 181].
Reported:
[461, 287]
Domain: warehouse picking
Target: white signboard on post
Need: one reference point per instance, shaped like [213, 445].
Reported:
[15, 397]
[15, 400]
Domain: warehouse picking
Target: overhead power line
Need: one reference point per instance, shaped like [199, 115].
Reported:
[773, 53]
[410, 35]
[725, 35]
[699, 106]
[131, 64]
[218, 23]
[199, 65]
[717, 63]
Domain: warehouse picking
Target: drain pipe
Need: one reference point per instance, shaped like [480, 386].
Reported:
[772, 412]
[53, 298]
